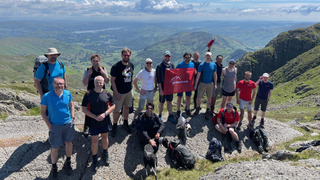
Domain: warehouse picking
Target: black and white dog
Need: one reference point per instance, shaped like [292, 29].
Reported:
[183, 128]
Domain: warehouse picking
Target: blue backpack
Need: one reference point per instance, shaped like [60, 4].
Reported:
[214, 151]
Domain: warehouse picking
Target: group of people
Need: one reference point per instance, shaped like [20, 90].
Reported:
[58, 112]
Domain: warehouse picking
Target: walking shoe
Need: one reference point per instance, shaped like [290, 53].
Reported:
[126, 127]
[212, 110]
[239, 126]
[105, 158]
[207, 114]
[262, 123]
[172, 119]
[94, 165]
[250, 126]
[254, 118]
[67, 165]
[178, 113]
[197, 111]
[85, 131]
[188, 112]
[114, 131]
[239, 146]
[54, 173]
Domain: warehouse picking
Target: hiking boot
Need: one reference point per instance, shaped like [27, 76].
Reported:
[94, 165]
[239, 126]
[197, 111]
[250, 126]
[68, 167]
[85, 131]
[239, 146]
[126, 127]
[188, 112]
[172, 119]
[212, 110]
[178, 113]
[105, 158]
[54, 173]
[207, 114]
[262, 123]
[113, 132]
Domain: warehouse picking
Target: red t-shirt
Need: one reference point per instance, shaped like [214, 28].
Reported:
[228, 117]
[246, 89]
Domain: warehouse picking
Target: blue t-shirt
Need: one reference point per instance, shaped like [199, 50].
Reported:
[185, 65]
[55, 70]
[206, 70]
[264, 89]
[58, 108]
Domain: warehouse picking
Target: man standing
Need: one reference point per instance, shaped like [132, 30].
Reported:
[247, 90]
[150, 128]
[147, 78]
[48, 71]
[121, 83]
[215, 93]
[97, 104]
[196, 63]
[88, 80]
[263, 96]
[160, 75]
[60, 122]
[185, 64]
[207, 73]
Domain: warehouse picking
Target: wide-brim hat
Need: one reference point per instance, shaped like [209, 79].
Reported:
[52, 51]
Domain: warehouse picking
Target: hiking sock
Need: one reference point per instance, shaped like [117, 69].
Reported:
[114, 126]
[262, 122]
[105, 150]
[68, 159]
[125, 122]
[212, 108]
[178, 113]
[254, 118]
[54, 165]
[95, 157]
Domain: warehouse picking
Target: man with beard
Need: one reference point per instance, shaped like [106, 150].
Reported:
[88, 80]
[247, 90]
[185, 64]
[48, 71]
[160, 75]
[60, 122]
[121, 84]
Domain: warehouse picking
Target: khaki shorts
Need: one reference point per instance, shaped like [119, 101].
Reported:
[202, 87]
[126, 101]
[217, 91]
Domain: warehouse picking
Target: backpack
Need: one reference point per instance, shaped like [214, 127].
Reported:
[150, 159]
[44, 81]
[260, 137]
[180, 155]
[214, 151]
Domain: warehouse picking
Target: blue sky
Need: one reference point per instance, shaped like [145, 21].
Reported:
[164, 10]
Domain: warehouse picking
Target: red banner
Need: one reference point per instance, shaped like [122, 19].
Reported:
[178, 80]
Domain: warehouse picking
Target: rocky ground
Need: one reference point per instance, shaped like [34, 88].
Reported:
[25, 152]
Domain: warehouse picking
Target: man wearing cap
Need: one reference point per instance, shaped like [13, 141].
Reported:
[160, 75]
[263, 96]
[247, 90]
[228, 119]
[196, 63]
[121, 84]
[60, 122]
[185, 64]
[206, 75]
[50, 70]
[148, 85]
[88, 80]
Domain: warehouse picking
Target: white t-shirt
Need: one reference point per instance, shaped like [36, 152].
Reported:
[147, 79]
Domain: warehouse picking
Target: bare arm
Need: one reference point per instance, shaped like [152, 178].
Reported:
[155, 84]
[136, 85]
[38, 87]
[235, 78]
[105, 76]
[71, 106]
[253, 94]
[215, 79]
[65, 81]
[270, 92]
[197, 80]
[257, 83]
[87, 112]
[44, 116]
[237, 95]
[85, 80]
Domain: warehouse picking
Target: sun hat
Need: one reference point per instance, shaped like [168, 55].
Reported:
[52, 51]
[265, 75]
[232, 60]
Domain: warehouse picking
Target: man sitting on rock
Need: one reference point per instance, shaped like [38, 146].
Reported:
[228, 119]
[150, 127]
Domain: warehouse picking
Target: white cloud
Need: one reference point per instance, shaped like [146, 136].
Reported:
[162, 6]
[304, 9]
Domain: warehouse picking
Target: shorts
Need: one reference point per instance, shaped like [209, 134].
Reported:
[189, 93]
[245, 103]
[263, 102]
[126, 101]
[225, 93]
[202, 87]
[61, 133]
[217, 91]
[164, 98]
[96, 131]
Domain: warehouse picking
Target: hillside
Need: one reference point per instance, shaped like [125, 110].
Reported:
[285, 47]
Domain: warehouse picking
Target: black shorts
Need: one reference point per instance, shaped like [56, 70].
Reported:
[96, 131]
[225, 93]
[263, 102]
[164, 98]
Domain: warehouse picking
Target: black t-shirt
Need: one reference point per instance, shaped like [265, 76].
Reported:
[219, 71]
[123, 75]
[98, 103]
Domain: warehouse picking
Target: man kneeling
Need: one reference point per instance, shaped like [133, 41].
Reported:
[150, 127]
[228, 119]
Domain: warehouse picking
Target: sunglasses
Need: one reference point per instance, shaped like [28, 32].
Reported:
[187, 57]
[230, 106]
[167, 56]
[149, 63]
[149, 108]
[126, 55]
[231, 63]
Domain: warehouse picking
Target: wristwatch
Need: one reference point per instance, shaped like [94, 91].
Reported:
[72, 118]
[106, 114]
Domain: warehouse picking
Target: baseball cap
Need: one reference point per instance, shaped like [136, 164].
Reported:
[209, 53]
[265, 75]
[167, 53]
[148, 60]
[232, 60]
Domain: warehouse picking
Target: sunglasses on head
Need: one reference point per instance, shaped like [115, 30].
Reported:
[126, 55]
